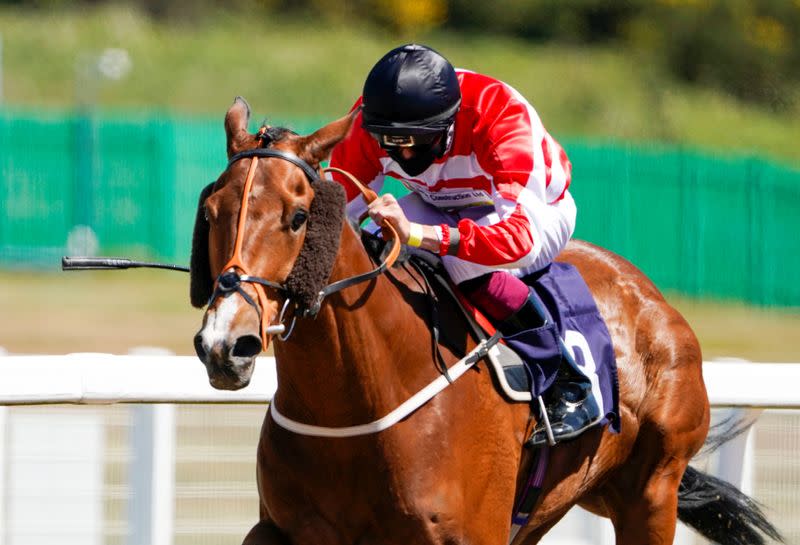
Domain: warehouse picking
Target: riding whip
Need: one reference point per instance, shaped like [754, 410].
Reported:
[100, 263]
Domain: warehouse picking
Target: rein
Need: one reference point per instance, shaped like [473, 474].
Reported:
[235, 272]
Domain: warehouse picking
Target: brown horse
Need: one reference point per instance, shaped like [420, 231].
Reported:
[269, 230]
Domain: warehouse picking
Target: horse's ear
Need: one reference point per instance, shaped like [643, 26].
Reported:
[201, 283]
[236, 125]
[317, 147]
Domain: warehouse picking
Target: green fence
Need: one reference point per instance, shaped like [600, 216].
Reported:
[701, 225]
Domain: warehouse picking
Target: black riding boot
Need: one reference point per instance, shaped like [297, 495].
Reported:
[571, 405]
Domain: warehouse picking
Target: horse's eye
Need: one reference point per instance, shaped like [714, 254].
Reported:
[299, 219]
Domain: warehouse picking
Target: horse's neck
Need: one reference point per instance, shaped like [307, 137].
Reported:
[351, 361]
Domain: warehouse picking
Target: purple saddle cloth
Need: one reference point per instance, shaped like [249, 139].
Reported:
[572, 316]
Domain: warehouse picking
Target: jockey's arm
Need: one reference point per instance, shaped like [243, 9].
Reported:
[529, 174]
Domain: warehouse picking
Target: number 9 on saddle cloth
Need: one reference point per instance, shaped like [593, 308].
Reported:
[572, 345]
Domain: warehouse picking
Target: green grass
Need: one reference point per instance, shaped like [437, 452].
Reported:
[308, 68]
[114, 311]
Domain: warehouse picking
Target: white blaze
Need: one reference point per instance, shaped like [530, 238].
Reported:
[219, 320]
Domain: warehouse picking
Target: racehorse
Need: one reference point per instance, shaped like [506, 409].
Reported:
[269, 231]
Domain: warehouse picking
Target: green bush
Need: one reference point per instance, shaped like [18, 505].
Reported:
[749, 48]
[571, 21]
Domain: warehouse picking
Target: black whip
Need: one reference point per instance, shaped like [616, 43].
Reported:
[100, 263]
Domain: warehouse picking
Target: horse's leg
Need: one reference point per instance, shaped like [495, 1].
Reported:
[673, 422]
[533, 535]
[649, 516]
[265, 533]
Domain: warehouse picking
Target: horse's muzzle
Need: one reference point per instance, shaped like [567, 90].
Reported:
[229, 367]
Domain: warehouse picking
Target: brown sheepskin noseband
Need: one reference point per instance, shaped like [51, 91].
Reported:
[313, 265]
[312, 268]
[200, 282]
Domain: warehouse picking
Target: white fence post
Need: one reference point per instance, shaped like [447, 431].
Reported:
[3, 415]
[3, 486]
[151, 506]
[736, 459]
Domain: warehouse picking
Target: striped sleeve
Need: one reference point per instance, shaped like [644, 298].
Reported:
[529, 171]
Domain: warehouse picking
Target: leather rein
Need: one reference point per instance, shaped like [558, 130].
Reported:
[235, 272]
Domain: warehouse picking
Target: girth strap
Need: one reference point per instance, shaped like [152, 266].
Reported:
[406, 408]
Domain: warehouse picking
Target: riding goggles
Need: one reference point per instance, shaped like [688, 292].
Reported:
[388, 141]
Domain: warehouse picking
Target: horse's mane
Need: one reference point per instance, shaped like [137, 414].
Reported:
[270, 134]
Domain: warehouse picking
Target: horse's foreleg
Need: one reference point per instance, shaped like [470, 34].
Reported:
[533, 535]
[265, 533]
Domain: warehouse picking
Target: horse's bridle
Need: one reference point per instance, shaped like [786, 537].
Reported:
[235, 271]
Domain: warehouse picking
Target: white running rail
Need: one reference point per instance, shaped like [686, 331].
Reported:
[89, 378]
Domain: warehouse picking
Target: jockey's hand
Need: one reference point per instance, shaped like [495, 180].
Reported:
[385, 209]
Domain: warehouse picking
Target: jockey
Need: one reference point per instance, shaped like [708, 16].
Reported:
[489, 193]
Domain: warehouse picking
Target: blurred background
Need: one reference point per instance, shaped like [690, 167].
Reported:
[681, 119]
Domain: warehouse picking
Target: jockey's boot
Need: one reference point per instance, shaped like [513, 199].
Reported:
[571, 405]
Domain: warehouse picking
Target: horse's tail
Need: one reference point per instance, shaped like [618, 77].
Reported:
[721, 512]
[718, 510]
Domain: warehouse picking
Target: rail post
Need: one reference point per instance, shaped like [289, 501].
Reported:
[151, 507]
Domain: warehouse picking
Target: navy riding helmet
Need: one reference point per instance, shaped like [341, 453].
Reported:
[410, 100]
[412, 90]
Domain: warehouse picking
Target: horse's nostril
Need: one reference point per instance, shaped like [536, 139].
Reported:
[198, 347]
[247, 346]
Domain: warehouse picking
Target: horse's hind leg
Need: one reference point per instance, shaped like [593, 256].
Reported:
[673, 423]
[265, 533]
[648, 516]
